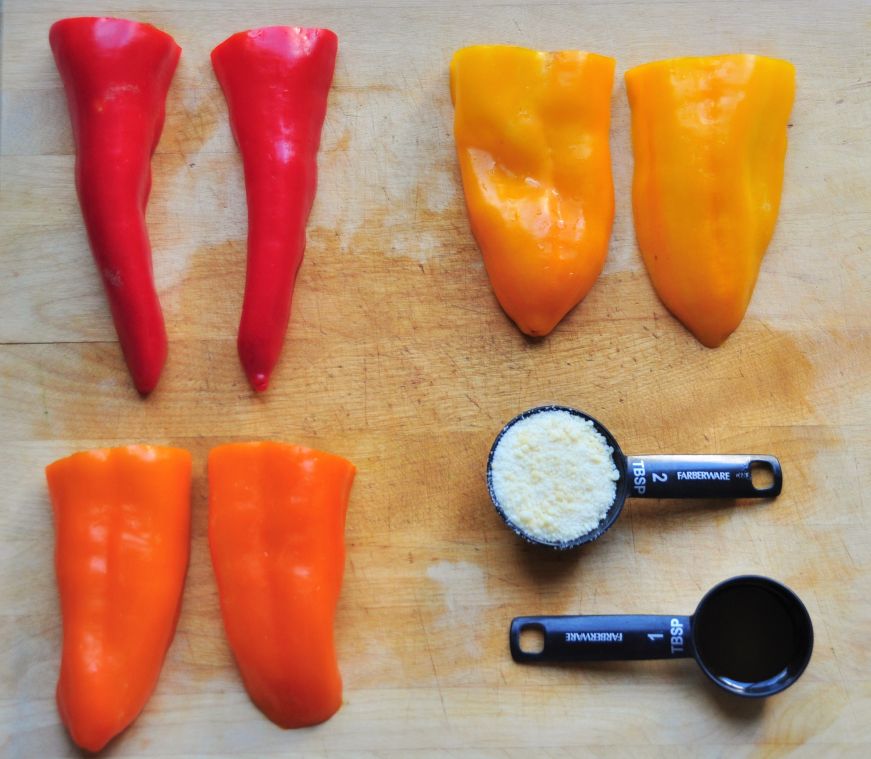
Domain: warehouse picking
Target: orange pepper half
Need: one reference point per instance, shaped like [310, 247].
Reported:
[122, 527]
[531, 131]
[276, 534]
[709, 136]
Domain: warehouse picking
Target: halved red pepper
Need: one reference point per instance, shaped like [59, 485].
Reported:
[276, 81]
[116, 74]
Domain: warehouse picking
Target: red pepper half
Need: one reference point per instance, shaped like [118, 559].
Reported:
[116, 74]
[276, 81]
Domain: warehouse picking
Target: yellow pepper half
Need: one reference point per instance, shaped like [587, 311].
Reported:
[709, 137]
[531, 131]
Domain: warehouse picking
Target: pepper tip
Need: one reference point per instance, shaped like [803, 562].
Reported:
[259, 381]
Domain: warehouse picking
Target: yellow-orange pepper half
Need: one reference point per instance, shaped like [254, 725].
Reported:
[709, 137]
[531, 132]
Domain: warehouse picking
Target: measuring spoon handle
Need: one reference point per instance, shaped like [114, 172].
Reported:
[603, 638]
[689, 476]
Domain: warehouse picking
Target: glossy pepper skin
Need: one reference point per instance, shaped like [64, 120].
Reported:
[276, 81]
[276, 534]
[116, 74]
[531, 131]
[709, 137]
[122, 537]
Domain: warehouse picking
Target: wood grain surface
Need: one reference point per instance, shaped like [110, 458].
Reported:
[399, 358]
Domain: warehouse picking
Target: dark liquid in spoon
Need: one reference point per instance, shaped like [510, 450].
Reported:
[746, 633]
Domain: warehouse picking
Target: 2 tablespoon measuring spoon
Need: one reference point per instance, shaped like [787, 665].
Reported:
[750, 635]
[650, 476]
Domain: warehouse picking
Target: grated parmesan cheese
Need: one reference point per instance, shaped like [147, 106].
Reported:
[553, 475]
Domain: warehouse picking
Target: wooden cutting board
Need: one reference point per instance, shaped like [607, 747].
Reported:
[399, 358]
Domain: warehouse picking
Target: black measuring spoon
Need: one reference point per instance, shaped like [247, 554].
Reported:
[750, 635]
[655, 476]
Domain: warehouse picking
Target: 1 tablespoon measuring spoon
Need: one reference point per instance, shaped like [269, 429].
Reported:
[750, 635]
[652, 476]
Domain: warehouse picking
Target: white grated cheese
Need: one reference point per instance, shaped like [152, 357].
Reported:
[553, 475]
